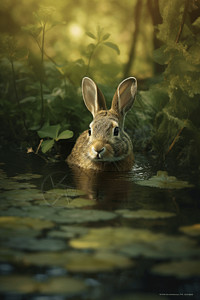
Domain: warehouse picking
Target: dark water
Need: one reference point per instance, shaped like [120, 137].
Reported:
[145, 246]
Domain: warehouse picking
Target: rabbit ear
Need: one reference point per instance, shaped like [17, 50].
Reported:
[93, 97]
[124, 96]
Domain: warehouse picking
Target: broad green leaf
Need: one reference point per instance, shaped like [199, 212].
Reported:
[192, 230]
[179, 269]
[112, 46]
[136, 242]
[91, 35]
[106, 36]
[67, 134]
[26, 176]
[33, 244]
[28, 99]
[163, 181]
[49, 131]
[47, 145]
[16, 223]
[161, 56]
[144, 214]
[27, 284]
[80, 262]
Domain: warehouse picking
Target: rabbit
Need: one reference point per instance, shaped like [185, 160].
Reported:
[105, 146]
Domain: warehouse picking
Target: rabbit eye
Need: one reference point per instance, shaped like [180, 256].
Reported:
[116, 131]
[89, 131]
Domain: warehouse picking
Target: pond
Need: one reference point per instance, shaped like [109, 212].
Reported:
[72, 234]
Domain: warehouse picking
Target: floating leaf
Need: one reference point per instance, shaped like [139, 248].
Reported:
[80, 262]
[68, 232]
[22, 195]
[63, 285]
[81, 202]
[10, 255]
[47, 145]
[96, 262]
[67, 134]
[112, 46]
[5, 203]
[60, 215]
[180, 269]
[144, 214]
[26, 176]
[136, 242]
[66, 192]
[162, 180]
[16, 222]
[33, 244]
[193, 230]
[80, 216]
[27, 284]
[10, 184]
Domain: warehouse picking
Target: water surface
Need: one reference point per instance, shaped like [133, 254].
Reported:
[72, 234]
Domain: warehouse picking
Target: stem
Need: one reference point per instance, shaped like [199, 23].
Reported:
[14, 83]
[16, 94]
[182, 21]
[90, 58]
[41, 77]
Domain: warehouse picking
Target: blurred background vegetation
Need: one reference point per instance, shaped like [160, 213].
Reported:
[47, 47]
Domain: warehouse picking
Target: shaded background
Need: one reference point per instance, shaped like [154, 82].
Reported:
[47, 48]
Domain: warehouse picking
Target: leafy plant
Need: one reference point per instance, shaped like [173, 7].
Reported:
[43, 23]
[100, 38]
[53, 133]
[177, 124]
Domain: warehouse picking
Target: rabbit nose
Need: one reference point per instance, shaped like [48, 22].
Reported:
[98, 151]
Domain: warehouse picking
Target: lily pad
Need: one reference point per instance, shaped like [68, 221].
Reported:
[162, 180]
[68, 202]
[24, 223]
[21, 195]
[68, 232]
[8, 184]
[26, 176]
[180, 269]
[80, 216]
[60, 215]
[193, 230]
[66, 192]
[33, 244]
[27, 284]
[136, 242]
[10, 255]
[80, 262]
[81, 202]
[144, 214]
[5, 203]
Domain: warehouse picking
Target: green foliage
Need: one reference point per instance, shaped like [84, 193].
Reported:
[47, 97]
[177, 124]
[52, 132]
[100, 39]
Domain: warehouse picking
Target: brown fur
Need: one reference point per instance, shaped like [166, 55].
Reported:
[101, 149]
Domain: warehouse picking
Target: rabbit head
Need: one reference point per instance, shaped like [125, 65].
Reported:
[105, 143]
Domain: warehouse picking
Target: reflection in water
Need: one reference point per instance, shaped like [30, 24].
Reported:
[144, 228]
